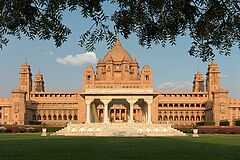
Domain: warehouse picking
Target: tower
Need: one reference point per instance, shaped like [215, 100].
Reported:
[146, 77]
[38, 83]
[212, 79]
[25, 80]
[89, 77]
[198, 83]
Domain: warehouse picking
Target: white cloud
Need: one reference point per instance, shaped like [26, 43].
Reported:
[88, 57]
[48, 53]
[176, 86]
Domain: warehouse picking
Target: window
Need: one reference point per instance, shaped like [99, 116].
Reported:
[88, 77]
[146, 77]
[75, 117]
[60, 117]
[0, 115]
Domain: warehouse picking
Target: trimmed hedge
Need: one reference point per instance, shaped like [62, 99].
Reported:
[224, 123]
[205, 123]
[35, 122]
[237, 123]
[186, 130]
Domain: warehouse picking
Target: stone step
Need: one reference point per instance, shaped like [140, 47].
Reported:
[119, 129]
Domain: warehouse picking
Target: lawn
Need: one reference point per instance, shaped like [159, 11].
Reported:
[33, 146]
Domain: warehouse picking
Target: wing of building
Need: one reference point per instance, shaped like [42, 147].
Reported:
[118, 92]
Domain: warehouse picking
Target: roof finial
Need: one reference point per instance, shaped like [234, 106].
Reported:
[117, 43]
[212, 60]
[26, 61]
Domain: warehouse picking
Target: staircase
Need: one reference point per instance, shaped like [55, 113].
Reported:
[119, 130]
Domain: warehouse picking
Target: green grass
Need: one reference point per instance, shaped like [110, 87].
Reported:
[33, 146]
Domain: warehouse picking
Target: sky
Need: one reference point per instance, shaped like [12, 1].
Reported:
[173, 69]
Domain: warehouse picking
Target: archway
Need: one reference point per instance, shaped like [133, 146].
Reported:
[118, 111]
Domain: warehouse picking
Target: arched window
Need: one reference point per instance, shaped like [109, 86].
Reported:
[203, 118]
[75, 117]
[70, 117]
[34, 117]
[44, 117]
[197, 118]
[49, 117]
[186, 118]
[88, 77]
[175, 118]
[165, 118]
[39, 117]
[159, 118]
[54, 117]
[192, 118]
[59, 117]
[65, 117]
[146, 77]
[170, 118]
[181, 118]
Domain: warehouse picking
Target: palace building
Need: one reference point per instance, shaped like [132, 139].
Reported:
[118, 91]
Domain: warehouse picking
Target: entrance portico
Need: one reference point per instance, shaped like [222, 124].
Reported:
[125, 106]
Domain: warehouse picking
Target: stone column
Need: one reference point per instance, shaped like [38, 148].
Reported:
[105, 103]
[114, 114]
[120, 114]
[125, 114]
[88, 103]
[131, 102]
[149, 112]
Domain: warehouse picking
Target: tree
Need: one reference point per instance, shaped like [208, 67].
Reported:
[211, 24]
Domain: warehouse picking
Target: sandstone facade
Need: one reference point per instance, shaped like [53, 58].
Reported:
[118, 92]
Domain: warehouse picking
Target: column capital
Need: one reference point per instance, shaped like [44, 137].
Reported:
[149, 101]
[105, 101]
[88, 101]
[131, 101]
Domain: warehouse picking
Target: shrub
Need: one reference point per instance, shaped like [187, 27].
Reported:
[224, 123]
[35, 122]
[53, 129]
[237, 123]
[205, 123]
[185, 130]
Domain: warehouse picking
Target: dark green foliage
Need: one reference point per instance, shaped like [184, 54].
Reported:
[205, 123]
[35, 122]
[211, 24]
[186, 130]
[237, 123]
[224, 123]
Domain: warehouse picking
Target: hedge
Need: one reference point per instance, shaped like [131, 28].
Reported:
[35, 122]
[224, 123]
[237, 123]
[205, 123]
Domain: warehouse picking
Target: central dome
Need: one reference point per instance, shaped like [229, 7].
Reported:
[117, 53]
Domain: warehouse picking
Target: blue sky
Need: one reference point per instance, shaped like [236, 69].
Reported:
[173, 69]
